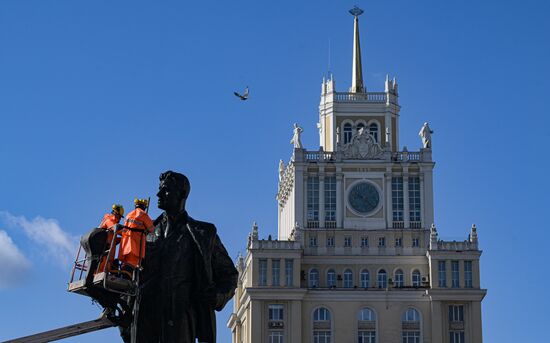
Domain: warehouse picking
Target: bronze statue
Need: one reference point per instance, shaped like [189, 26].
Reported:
[187, 274]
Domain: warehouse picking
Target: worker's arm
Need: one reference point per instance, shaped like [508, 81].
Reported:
[148, 222]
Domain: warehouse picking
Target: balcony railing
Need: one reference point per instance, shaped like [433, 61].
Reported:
[406, 156]
[398, 225]
[415, 225]
[337, 156]
[319, 156]
[456, 246]
[312, 224]
[329, 224]
[374, 97]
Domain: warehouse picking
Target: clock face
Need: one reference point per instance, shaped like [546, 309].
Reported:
[363, 198]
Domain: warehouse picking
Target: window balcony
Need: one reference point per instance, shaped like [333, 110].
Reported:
[329, 224]
[312, 224]
[415, 225]
[398, 225]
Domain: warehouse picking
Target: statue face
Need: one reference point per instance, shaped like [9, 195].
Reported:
[170, 197]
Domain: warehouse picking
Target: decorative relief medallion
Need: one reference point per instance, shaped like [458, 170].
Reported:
[363, 146]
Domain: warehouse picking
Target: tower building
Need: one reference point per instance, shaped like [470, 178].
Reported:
[358, 257]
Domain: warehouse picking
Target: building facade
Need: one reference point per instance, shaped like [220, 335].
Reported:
[358, 257]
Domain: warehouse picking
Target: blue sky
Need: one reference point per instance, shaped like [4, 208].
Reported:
[98, 97]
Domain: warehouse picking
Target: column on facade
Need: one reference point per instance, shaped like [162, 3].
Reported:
[428, 196]
[448, 273]
[406, 214]
[475, 274]
[422, 210]
[321, 198]
[389, 213]
[437, 322]
[461, 274]
[473, 326]
[339, 199]
[256, 319]
[387, 124]
[299, 198]
[295, 321]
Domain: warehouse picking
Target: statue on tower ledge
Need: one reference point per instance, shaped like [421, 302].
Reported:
[426, 135]
[296, 137]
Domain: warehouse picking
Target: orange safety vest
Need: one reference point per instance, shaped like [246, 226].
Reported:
[132, 241]
[108, 221]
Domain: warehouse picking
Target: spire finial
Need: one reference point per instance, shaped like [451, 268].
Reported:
[356, 11]
[357, 69]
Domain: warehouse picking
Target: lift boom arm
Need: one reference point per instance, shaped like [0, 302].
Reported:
[67, 331]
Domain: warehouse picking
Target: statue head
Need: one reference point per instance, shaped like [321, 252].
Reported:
[173, 191]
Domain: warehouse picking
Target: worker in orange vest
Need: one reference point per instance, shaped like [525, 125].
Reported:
[108, 223]
[132, 242]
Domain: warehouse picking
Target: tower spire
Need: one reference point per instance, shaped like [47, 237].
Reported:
[357, 71]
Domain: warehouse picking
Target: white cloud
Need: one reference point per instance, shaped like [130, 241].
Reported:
[46, 233]
[14, 266]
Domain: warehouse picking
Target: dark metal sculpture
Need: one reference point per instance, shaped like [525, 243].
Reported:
[187, 274]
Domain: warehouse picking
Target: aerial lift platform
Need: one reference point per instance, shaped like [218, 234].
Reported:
[87, 277]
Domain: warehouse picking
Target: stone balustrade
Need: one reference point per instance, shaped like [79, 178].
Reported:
[424, 155]
[274, 244]
[372, 97]
[456, 245]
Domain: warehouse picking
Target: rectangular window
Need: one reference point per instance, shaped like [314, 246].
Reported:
[414, 199]
[411, 336]
[364, 242]
[330, 200]
[367, 336]
[455, 274]
[397, 198]
[381, 241]
[330, 241]
[442, 272]
[313, 199]
[276, 337]
[275, 312]
[399, 279]
[468, 274]
[263, 272]
[398, 242]
[347, 241]
[321, 336]
[289, 271]
[456, 337]
[415, 242]
[312, 241]
[456, 313]
[275, 272]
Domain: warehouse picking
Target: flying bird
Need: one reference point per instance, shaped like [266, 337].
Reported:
[244, 96]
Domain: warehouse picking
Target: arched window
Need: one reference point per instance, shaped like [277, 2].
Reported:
[366, 324]
[410, 326]
[416, 280]
[322, 331]
[347, 133]
[365, 278]
[399, 282]
[331, 278]
[313, 278]
[373, 130]
[321, 314]
[348, 278]
[382, 279]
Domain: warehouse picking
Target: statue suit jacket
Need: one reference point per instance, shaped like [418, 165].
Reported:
[216, 279]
